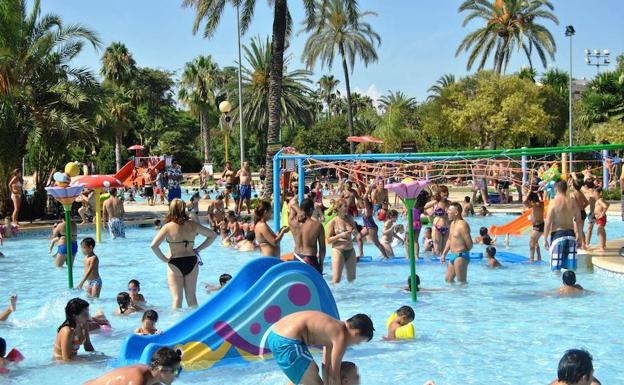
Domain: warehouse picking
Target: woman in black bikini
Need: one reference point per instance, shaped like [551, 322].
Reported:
[180, 232]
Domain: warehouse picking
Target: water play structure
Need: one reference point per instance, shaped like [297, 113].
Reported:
[436, 167]
[232, 326]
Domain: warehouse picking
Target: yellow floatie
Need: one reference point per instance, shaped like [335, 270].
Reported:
[406, 332]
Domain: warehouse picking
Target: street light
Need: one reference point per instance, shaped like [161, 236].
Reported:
[598, 58]
[226, 123]
[569, 32]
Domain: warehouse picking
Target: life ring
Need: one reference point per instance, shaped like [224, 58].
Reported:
[405, 332]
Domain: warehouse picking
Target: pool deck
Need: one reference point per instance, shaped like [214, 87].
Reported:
[610, 259]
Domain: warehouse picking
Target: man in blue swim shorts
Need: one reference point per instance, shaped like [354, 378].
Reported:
[458, 246]
[563, 223]
[244, 176]
[290, 337]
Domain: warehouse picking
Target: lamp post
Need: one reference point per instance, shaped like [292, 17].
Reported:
[66, 196]
[226, 122]
[569, 32]
[240, 88]
[598, 58]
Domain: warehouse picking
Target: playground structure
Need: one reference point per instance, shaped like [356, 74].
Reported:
[440, 167]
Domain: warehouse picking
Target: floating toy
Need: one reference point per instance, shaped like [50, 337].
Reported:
[405, 332]
[552, 174]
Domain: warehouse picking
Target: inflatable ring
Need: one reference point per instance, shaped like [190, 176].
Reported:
[552, 174]
[104, 197]
[424, 220]
[405, 332]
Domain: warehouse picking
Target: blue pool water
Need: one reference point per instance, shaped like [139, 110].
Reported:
[504, 327]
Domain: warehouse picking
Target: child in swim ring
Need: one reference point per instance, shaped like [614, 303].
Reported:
[148, 324]
[404, 315]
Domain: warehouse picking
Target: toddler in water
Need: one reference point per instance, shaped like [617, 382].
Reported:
[92, 269]
[134, 289]
[223, 279]
[148, 324]
[389, 232]
[490, 254]
[404, 315]
[125, 305]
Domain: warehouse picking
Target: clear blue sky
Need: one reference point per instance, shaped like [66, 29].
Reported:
[419, 37]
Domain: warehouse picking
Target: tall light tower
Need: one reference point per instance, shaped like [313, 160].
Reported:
[569, 32]
[598, 58]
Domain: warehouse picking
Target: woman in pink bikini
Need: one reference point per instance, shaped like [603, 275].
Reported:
[441, 223]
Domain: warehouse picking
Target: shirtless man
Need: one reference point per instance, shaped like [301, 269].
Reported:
[563, 217]
[245, 188]
[149, 187]
[570, 287]
[351, 196]
[164, 369]
[467, 207]
[230, 185]
[290, 337]
[216, 213]
[113, 211]
[534, 203]
[458, 246]
[582, 202]
[309, 237]
[379, 196]
[479, 183]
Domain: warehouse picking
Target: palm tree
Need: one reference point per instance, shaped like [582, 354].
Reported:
[327, 85]
[119, 71]
[199, 84]
[334, 31]
[558, 80]
[296, 102]
[397, 101]
[527, 73]
[508, 24]
[43, 96]
[210, 11]
[442, 83]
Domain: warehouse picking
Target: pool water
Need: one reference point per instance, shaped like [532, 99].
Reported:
[504, 327]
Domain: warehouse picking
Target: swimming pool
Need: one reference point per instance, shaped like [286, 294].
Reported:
[501, 328]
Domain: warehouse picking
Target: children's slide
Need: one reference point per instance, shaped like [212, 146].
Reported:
[516, 227]
[232, 326]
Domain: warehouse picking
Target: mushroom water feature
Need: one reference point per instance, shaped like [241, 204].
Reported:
[408, 190]
[66, 194]
[97, 183]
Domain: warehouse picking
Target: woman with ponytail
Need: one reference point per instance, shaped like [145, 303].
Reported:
[74, 332]
[268, 241]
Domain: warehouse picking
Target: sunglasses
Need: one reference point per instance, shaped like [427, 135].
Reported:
[133, 289]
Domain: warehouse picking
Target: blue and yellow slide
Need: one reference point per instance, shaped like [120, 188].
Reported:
[231, 326]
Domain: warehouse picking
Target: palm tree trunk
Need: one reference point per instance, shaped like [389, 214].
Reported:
[349, 111]
[275, 85]
[118, 151]
[328, 101]
[205, 131]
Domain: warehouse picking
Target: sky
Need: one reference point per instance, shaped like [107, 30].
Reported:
[419, 38]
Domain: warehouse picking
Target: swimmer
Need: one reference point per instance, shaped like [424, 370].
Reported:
[223, 279]
[4, 315]
[484, 212]
[92, 269]
[164, 369]
[235, 233]
[157, 224]
[404, 315]
[600, 213]
[61, 252]
[73, 333]
[125, 306]
[467, 207]
[389, 234]
[134, 289]
[490, 254]
[484, 237]
[408, 287]
[290, 338]
[458, 246]
[309, 237]
[576, 368]
[148, 324]
[428, 240]
[570, 287]
[247, 244]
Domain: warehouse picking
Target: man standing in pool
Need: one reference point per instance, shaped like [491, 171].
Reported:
[309, 237]
[458, 246]
[245, 188]
[562, 218]
[114, 214]
[174, 176]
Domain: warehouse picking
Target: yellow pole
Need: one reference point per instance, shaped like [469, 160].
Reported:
[226, 145]
[564, 164]
[98, 219]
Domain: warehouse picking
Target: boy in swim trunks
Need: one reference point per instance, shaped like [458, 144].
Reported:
[92, 273]
[458, 246]
[290, 337]
[534, 203]
[600, 212]
[113, 211]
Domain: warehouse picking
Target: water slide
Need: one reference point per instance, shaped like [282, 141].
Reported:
[128, 177]
[516, 227]
[231, 327]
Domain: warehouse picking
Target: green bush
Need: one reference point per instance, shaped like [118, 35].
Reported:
[612, 195]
